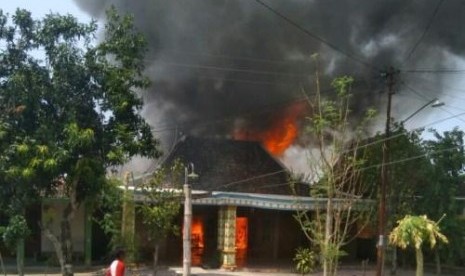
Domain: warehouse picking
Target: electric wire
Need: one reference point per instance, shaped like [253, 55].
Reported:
[390, 163]
[428, 26]
[229, 57]
[448, 87]
[252, 112]
[359, 147]
[316, 37]
[435, 71]
[414, 129]
[456, 107]
[219, 68]
[411, 71]
[422, 99]
[231, 117]
[275, 83]
[443, 109]
[251, 178]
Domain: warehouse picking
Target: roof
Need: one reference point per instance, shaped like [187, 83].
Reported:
[232, 166]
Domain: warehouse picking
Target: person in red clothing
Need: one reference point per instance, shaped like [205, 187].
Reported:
[117, 267]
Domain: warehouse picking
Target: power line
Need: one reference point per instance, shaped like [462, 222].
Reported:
[442, 94]
[231, 117]
[443, 120]
[247, 113]
[229, 57]
[444, 86]
[456, 107]
[390, 163]
[274, 83]
[219, 68]
[443, 109]
[409, 158]
[435, 71]
[251, 178]
[428, 26]
[316, 37]
[414, 129]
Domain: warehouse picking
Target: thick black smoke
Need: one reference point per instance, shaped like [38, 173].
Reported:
[217, 63]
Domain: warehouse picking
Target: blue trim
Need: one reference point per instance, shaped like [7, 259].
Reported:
[263, 201]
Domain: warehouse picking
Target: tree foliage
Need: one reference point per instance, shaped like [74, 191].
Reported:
[439, 196]
[406, 178]
[110, 202]
[69, 107]
[425, 176]
[161, 205]
[335, 163]
[15, 231]
[414, 231]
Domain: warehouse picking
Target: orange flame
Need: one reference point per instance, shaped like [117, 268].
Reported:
[280, 137]
[282, 133]
[242, 224]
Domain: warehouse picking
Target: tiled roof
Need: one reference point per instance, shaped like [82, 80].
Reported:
[233, 166]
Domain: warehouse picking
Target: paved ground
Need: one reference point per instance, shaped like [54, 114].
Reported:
[343, 272]
[174, 271]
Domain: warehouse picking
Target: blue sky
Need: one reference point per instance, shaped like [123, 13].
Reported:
[40, 8]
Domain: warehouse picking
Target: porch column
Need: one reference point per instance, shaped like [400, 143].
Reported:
[229, 240]
[128, 220]
[220, 242]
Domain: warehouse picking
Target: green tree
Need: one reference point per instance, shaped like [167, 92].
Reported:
[446, 154]
[110, 206]
[335, 163]
[69, 108]
[13, 236]
[161, 205]
[414, 231]
[406, 179]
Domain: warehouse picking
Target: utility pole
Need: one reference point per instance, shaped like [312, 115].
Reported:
[382, 240]
[186, 264]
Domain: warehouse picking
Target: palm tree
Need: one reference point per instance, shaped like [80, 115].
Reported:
[414, 231]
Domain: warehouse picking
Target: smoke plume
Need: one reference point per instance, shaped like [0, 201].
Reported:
[217, 65]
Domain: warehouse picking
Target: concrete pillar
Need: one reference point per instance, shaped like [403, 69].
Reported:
[220, 243]
[229, 241]
[128, 221]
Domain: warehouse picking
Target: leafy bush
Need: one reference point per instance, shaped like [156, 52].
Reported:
[306, 260]
[16, 230]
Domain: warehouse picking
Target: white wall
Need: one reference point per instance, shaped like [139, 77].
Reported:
[51, 213]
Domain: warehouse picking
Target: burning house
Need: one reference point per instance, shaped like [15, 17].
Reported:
[235, 71]
[245, 211]
[248, 212]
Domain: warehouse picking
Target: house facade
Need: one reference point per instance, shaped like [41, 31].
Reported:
[245, 216]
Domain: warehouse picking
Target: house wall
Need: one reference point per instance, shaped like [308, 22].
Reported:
[273, 235]
[272, 238]
[32, 243]
[171, 248]
[51, 215]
